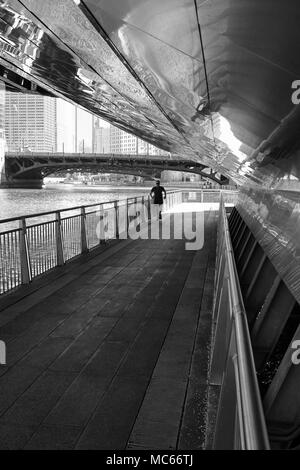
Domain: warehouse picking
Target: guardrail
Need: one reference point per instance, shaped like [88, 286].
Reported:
[209, 195]
[240, 418]
[34, 244]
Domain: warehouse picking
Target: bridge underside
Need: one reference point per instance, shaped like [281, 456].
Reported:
[188, 79]
[29, 170]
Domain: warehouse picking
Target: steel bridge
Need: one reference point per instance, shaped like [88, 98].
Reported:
[29, 169]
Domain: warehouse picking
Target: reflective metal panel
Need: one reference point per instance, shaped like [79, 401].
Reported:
[274, 219]
[207, 80]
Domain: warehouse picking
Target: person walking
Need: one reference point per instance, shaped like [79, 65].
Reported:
[158, 194]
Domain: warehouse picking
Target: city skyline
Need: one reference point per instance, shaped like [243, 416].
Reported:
[45, 124]
[42, 123]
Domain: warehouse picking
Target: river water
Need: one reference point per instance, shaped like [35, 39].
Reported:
[20, 202]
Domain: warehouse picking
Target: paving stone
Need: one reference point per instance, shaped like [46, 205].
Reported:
[83, 347]
[14, 383]
[152, 435]
[14, 437]
[20, 346]
[79, 401]
[54, 438]
[81, 398]
[77, 322]
[46, 352]
[115, 415]
[144, 353]
[119, 337]
[37, 401]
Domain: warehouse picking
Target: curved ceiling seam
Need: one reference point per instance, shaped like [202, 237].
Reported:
[205, 69]
[89, 15]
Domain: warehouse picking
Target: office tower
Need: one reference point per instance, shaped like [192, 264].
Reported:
[30, 122]
[66, 126]
[101, 137]
[124, 143]
[2, 132]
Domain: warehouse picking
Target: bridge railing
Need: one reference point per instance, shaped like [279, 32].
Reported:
[240, 418]
[210, 195]
[34, 244]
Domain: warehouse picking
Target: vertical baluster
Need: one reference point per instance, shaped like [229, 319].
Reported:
[149, 207]
[8, 263]
[2, 265]
[116, 206]
[42, 237]
[127, 217]
[100, 223]
[87, 225]
[48, 250]
[84, 247]
[58, 239]
[143, 218]
[24, 253]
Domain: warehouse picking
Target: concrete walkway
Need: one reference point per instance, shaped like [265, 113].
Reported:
[112, 354]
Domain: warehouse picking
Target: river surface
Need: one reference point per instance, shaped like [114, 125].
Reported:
[20, 202]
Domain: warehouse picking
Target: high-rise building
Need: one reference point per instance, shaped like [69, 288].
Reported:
[101, 137]
[2, 132]
[124, 143]
[66, 126]
[30, 122]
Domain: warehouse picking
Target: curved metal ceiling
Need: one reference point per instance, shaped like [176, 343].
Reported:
[209, 80]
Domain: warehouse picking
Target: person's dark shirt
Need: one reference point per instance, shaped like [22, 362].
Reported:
[157, 194]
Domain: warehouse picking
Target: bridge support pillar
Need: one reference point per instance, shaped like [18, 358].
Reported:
[18, 183]
[26, 184]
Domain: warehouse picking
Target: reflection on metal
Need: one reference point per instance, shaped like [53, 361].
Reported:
[141, 66]
[240, 420]
[273, 316]
[274, 218]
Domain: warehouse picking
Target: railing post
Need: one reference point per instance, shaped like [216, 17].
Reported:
[24, 253]
[127, 217]
[116, 219]
[101, 225]
[59, 245]
[84, 247]
[143, 205]
[149, 207]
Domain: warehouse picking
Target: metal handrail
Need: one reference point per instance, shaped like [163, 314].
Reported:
[42, 241]
[73, 208]
[232, 358]
[31, 249]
